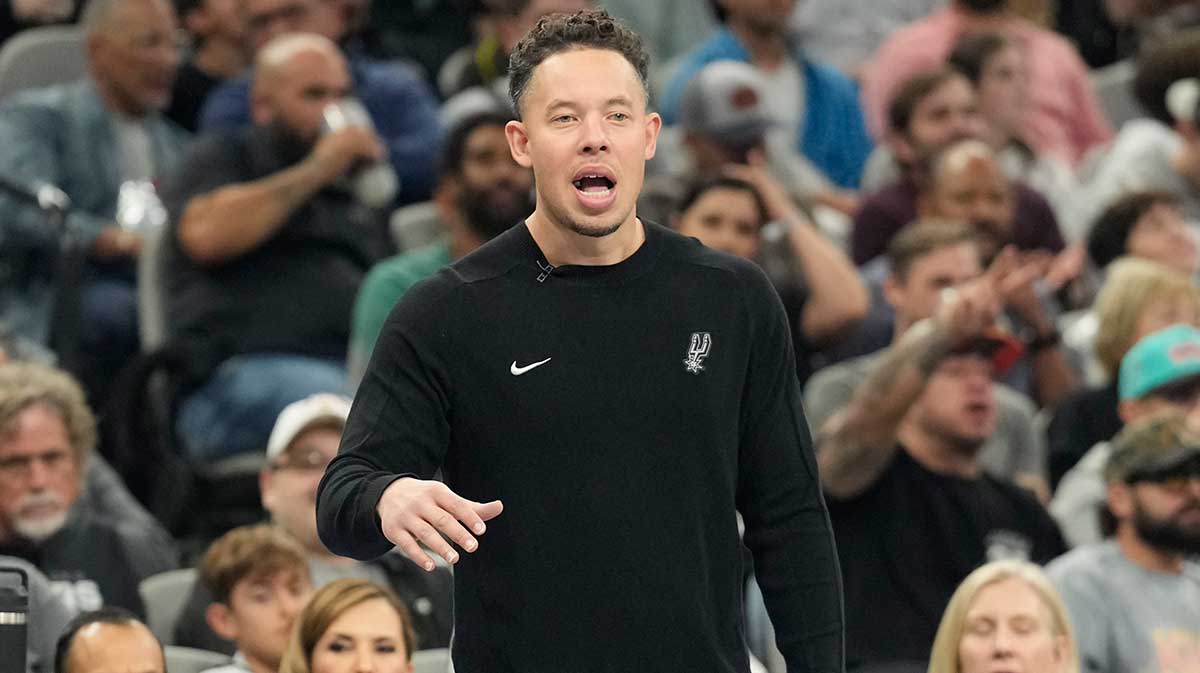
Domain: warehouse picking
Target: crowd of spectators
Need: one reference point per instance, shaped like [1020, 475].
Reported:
[990, 278]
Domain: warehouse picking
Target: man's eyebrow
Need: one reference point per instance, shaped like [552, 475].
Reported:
[619, 100]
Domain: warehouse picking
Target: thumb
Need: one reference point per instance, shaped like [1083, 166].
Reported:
[488, 510]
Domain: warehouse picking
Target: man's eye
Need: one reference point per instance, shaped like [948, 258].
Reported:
[620, 116]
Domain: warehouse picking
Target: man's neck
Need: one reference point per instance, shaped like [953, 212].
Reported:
[257, 665]
[1143, 555]
[767, 50]
[935, 454]
[460, 238]
[220, 59]
[563, 247]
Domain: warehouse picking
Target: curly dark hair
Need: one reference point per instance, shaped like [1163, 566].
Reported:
[556, 33]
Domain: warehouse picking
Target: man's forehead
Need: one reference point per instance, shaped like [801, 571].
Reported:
[583, 76]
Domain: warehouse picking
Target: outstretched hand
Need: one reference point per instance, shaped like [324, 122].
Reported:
[416, 511]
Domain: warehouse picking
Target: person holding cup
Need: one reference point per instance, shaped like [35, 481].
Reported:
[261, 217]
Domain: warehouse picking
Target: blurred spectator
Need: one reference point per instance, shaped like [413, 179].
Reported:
[845, 33]
[303, 442]
[1147, 225]
[1005, 615]
[90, 138]
[259, 581]
[261, 216]
[345, 621]
[1135, 599]
[482, 192]
[966, 182]
[18, 15]
[900, 468]
[1160, 373]
[47, 435]
[217, 29]
[108, 640]
[1102, 37]
[423, 32]
[814, 107]
[998, 69]
[749, 214]
[486, 62]
[1066, 120]
[48, 616]
[723, 119]
[670, 27]
[1161, 153]
[402, 107]
[926, 259]
[931, 112]
[1139, 298]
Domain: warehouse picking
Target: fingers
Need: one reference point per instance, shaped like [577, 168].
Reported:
[414, 513]
[488, 510]
[409, 547]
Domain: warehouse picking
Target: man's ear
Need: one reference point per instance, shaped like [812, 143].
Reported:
[221, 620]
[261, 110]
[267, 494]
[1120, 500]
[893, 291]
[1128, 410]
[518, 143]
[901, 148]
[653, 127]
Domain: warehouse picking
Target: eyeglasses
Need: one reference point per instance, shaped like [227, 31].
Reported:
[301, 459]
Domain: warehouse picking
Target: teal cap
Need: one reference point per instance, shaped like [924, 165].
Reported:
[1164, 357]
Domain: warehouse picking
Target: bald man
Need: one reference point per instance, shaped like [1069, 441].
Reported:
[89, 137]
[108, 640]
[268, 247]
[967, 183]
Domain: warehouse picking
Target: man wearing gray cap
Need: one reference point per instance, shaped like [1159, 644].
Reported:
[1135, 599]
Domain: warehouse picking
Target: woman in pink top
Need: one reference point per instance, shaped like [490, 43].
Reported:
[1065, 119]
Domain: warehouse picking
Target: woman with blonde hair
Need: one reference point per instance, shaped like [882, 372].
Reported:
[1005, 616]
[351, 625]
[1139, 297]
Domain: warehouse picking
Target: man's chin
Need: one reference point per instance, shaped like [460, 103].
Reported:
[41, 528]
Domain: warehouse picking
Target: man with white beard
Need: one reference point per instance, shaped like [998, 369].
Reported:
[47, 434]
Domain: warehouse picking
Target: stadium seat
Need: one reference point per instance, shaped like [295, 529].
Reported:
[429, 661]
[189, 660]
[40, 57]
[164, 596]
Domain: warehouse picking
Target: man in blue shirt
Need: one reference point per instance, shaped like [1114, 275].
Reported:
[815, 106]
[400, 104]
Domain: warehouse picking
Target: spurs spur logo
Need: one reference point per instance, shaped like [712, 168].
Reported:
[698, 349]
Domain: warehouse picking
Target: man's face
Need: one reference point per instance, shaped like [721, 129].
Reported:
[975, 190]
[115, 648]
[268, 19]
[289, 485]
[1162, 235]
[710, 155]
[916, 296]
[586, 134]
[39, 475]
[724, 219]
[220, 19]
[135, 59]
[494, 190]
[1165, 511]
[947, 115]
[767, 16]
[294, 100]
[261, 612]
[958, 404]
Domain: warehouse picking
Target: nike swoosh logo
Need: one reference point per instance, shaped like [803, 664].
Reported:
[517, 371]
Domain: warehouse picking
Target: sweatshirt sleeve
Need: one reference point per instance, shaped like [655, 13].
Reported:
[779, 495]
[398, 425]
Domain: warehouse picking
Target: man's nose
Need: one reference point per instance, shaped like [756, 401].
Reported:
[593, 138]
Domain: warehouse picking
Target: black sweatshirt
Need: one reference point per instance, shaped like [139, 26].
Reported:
[665, 400]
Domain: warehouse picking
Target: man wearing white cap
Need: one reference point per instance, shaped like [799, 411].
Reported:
[305, 438]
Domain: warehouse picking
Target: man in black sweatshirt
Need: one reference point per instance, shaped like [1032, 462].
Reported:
[618, 391]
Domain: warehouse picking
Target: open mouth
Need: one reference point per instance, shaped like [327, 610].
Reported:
[595, 187]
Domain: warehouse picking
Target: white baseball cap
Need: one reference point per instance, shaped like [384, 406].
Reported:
[302, 415]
